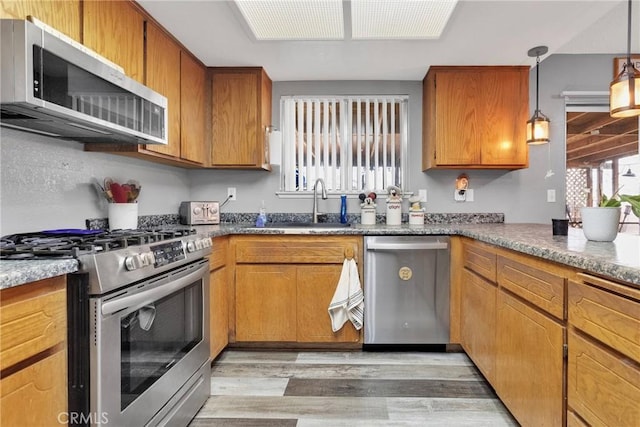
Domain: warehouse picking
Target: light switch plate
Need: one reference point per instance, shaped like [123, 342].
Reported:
[551, 196]
[423, 195]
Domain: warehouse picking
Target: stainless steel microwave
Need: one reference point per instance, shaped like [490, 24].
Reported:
[51, 84]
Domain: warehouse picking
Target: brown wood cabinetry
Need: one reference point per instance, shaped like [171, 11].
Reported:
[33, 353]
[241, 114]
[115, 30]
[283, 287]
[475, 117]
[149, 54]
[219, 296]
[512, 325]
[64, 15]
[603, 381]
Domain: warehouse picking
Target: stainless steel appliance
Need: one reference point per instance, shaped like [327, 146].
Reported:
[138, 323]
[199, 213]
[406, 292]
[52, 85]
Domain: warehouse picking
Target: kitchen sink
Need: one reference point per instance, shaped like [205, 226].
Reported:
[296, 224]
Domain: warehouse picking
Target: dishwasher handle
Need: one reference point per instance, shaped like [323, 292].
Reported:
[403, 246]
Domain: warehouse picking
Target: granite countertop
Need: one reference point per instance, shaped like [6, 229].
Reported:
[618, 260]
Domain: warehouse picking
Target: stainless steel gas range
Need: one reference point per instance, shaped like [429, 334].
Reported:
[138, 322]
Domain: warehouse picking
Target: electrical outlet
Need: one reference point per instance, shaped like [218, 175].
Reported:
[231, 193]
[551, 196]
[423, 195]
[469, 194]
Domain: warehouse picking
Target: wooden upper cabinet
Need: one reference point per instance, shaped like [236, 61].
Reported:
[241, 113]
[163, 76]
[475, 117]
[115, 30]
[64, 15]
[193, 78]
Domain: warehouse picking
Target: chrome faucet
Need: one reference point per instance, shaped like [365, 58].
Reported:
[315, 198]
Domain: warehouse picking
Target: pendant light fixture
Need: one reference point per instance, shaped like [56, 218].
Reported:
[629, 173]
[624, 91]
[538, 124]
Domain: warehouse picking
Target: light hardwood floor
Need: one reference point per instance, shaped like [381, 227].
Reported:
[306, 389]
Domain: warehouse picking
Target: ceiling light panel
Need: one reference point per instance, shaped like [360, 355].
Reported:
[294, 19]
[399, 19]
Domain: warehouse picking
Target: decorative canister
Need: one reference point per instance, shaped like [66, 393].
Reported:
[394, 212]
[416, 217]
[368, 215]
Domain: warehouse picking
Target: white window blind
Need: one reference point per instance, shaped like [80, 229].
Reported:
[353, 143]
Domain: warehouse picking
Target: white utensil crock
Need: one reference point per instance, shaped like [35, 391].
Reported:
[123, 216]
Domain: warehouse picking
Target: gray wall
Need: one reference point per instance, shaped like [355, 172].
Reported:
[46, 183]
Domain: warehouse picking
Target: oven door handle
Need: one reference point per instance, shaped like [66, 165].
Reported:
[152, 295]
[403, 246]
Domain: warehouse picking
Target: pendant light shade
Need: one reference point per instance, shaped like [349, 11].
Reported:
[538, 124]
[624, 91]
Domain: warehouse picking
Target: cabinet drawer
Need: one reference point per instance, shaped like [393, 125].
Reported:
[481, 259]
[37, 394]
[611, 319]
[601, 387]
[543, 289]
[295, 249]
[33, 319]
[218, 257]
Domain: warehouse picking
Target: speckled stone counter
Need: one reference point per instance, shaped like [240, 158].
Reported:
[618, 260]
[13, 273]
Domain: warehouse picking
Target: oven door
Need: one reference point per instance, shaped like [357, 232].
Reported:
[150, 339]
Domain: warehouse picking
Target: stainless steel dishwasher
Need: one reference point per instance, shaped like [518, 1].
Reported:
[406, 289]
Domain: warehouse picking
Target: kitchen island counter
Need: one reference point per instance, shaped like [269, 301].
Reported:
[618, 260]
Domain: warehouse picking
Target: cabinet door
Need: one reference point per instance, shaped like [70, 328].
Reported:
[478, 322]
[64, 15]
[316, 286]
[458, 115]
[115, 29]
[192, 94]
[602, 387]
[265, 302]
[529, 363]
[504, 106]
[36, 395]
[219, 316]
[163, 76]
[235, 119]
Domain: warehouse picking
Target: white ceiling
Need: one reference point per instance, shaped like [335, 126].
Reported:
[478, 33]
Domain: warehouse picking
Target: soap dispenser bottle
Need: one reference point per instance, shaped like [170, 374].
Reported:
[261, 221]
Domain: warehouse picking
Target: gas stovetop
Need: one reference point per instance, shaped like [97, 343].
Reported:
[112, 259]
[62, 244]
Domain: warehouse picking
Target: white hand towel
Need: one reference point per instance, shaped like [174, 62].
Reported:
[348, 300]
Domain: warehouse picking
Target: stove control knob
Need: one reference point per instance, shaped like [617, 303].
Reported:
[148, 258]
[133, 262]
[206, 242]
[199, 244]
[191, 246]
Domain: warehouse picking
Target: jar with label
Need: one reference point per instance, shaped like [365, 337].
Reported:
[368, 214]
[394, 212]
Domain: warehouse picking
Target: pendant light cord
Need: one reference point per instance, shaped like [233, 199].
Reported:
[629, 36]
[537, 82]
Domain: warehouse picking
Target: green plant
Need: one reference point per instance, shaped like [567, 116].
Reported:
[616, 200]
[634, 201]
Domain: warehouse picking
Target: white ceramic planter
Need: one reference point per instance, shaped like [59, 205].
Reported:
[600, 224]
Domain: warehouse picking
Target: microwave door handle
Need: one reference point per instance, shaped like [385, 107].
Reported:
[407, 246]
[152, 295]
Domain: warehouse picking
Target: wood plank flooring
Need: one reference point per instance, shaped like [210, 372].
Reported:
[309, 389]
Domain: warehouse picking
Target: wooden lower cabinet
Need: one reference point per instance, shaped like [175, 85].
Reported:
[529, 362]
[283, 287]
[33, 354]
[266, 302]
[478, 322]
[603, 380]
[316, 286]
[219, 296]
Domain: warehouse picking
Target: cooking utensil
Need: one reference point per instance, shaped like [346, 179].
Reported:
[119, 194]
